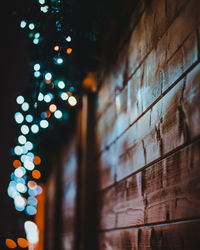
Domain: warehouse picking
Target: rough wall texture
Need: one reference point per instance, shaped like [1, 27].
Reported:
[148, 134]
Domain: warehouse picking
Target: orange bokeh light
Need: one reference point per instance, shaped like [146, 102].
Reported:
[32, 184]
[69, 51]
[56, 48]
[17, 163]
[36, 174]
[10, 243]
[52, 108]
[23, 243]
[37, 160]
[47, 114]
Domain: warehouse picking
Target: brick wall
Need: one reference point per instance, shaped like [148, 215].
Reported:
[148, 133]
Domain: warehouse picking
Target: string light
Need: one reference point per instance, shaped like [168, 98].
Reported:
[20, 99]
[31, 26]
[23, 24]
[69, 51]
[56, 48]
[72, 101]
[61, 84]
[68, 39]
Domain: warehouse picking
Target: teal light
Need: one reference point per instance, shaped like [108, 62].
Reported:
[22, 139]
[23, 24]
[24, 129]
[25, 106]
[58, 114]
[35, 128]
[19, 118]
[44, 123]
[61, 84]
[29, 118]
[31, 26]
[20, 99]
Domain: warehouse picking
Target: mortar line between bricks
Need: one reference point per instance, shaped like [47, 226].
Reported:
[156, 161]
[151, 106]
[156, 224]
[142, 61]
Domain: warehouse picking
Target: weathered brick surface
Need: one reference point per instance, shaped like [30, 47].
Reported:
[148, 133]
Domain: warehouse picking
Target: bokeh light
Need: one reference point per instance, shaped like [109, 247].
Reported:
[22, 139]
[20, 99]
[23, 243]
[18, 150]
[29, 165]
[31, 26]
[40, 97]
[64, 96]
[23, 24]
[32, 184]
[56, 48]
[29, 118]
[48, 76]
[36, 174]
[24, 129]
[37, 160]
[17, 163]
[35, 128]
[69, 51]
[36, 67]
[52, 108]
[20, 171]
[61, 84]
[72, 101]
[25, 106]
[44, 123]
[58, 114]
[19, 118]
[10, 243]
[68, 39]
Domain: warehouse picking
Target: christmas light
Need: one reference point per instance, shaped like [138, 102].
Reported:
[68, 39]
[72, 101]
[44, 124]
[19, 172]
[23, 24]
[29, 145]
[44, 9]
[20, 99]
[22, 139]
[29, 118]
[25, 106]
[19, 118]
[52, 108]
[48, 76]
[36, 67]
[35, 128]
[29, 165]
[59, 60]
[61, 84]
[36, 41]
[64, 96]
[58, 114]
[69, 51]
[24, 129]
[56, 48]
[41, 1]
[40, 97]
[37, 74]
[18, 150]
[37, 35]
[31, 26]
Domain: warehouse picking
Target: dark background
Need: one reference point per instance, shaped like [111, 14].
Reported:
[13, 80]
